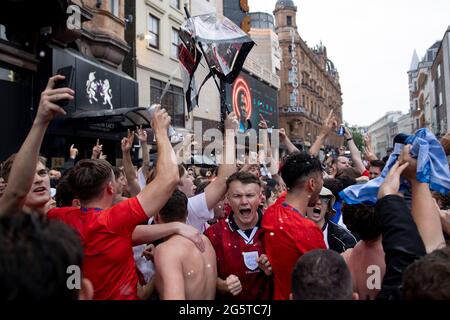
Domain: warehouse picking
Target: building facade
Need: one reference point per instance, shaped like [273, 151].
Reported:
[440, 74]
[383, 132]
[310, 86]
[85, 37]
[421, 90]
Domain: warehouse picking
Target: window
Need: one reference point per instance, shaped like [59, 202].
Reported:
[175, 3]
[2, 32]
[440, 99]
[114, 7]
[439, 71]
[289, 21]
[175, 42]
[173, 101]
[153, 29]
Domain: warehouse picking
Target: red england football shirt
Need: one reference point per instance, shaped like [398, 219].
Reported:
[107, 246]
[288, 235]
[236, 252]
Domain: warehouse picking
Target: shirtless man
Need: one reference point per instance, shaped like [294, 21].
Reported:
[182, 271]
[366, 260]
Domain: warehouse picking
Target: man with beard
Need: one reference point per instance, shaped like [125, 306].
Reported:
[288, 233]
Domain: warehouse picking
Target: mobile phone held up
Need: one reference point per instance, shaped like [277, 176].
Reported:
[67, 82]
[341, 130]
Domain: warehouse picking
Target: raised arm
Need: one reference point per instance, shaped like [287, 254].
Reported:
[368, 151]
[356, 155]
[425, 213]
[97, 150]
[155, 195]
[287, 142]
[73, 152]
[142, 137]
[149, 233]
[402, 243]
[329, 125]
[215, 191]
[24, 166]
[130, 173]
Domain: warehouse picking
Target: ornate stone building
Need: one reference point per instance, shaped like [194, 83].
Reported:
[39, 39]
[309, 82]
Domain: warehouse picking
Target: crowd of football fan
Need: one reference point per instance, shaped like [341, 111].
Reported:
[238, 231]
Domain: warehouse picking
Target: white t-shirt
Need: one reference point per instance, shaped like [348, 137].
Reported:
[198, 212]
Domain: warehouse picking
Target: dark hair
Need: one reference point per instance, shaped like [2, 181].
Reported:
[361, 220]
[429, 277]
[200, 188]
[199, 181]
[64, 193]
[34, 256]
[321, 275]
[7, 165]
[352, 173]
[117, 172]
[203, 171]
[175, 208]
[299, 166]
[338, 184]
[88, 178]
[244, 178]
[377, 163]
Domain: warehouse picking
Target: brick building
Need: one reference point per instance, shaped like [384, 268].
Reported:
[309, 82]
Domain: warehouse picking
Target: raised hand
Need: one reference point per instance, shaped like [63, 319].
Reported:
[329, 125]
[127, 142]
[405, 157]
[96, 150]
[73, 152]
[141, 134]
[391, 184]
[48, 109]
[161, 121]
[262, 122]
[347, 133]
[368, 140]
[282, 133]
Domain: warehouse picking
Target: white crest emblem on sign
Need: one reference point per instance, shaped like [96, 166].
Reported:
[102, 87]
[251, 259]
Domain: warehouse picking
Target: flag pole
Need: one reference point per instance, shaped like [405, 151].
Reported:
[223, 106]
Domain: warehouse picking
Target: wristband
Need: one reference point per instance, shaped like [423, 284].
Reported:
[349, 139]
